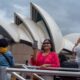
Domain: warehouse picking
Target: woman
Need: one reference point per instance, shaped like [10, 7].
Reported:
[46, 57]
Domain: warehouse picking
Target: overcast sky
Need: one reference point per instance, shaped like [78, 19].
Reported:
[66, 13]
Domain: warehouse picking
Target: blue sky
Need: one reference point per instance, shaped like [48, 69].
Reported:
[66, 13]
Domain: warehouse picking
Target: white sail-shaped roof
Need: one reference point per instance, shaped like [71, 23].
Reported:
[68, 45]
[33, 29]
[73, 37]
[39, 27]
[54, 31]
[24, 34]
[11, 30]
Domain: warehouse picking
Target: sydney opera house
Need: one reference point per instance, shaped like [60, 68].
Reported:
[39, 26]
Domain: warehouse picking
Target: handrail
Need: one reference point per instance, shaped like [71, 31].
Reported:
[49, 68]
[74, 73]
[37, 76]
[25, 66]
[17, 65]
[54, 68]
[46, 72]
[18, 76]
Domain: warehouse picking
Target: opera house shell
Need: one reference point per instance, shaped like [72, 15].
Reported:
[38, 27]
[73, 37]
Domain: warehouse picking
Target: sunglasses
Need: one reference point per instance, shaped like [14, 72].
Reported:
[46, 43]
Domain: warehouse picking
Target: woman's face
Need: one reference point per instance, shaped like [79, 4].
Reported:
[46, 45]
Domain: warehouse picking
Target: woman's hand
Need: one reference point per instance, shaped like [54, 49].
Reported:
[35, 44]
[35, 49]
[45, 65]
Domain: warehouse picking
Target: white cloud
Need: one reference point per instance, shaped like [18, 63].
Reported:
[21, 9]
[3, 16]
[66, 13]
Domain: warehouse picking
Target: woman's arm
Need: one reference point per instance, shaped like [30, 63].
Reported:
[45, 65]
[34, 54]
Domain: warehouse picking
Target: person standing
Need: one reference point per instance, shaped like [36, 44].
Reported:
[45, 57]
[6, 57]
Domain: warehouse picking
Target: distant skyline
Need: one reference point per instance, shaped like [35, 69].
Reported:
[65, 13]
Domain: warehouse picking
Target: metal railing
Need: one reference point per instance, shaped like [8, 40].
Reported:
[75, 72]
[18, 76]
[46, 72]
[4, 71]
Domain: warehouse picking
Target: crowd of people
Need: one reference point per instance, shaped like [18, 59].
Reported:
[44, 58]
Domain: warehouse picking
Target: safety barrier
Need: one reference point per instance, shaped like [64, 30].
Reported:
[75, 72]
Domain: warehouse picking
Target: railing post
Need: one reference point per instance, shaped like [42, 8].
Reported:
[3, 74]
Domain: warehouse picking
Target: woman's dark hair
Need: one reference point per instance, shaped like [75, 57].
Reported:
[3, 42]
[52, 48]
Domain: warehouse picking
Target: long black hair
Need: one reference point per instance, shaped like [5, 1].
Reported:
[52, 48]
